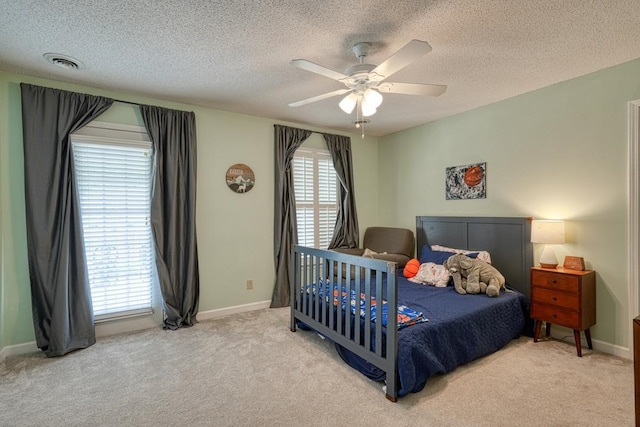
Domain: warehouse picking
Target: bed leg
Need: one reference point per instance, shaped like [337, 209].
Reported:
[391, 398]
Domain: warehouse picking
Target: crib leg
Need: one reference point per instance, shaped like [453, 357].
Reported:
[393, 397]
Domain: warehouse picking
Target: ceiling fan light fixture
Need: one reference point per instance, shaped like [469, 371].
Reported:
[367, 109]
[373, 98]
[366, 82]
[348, 103]
[369, 112]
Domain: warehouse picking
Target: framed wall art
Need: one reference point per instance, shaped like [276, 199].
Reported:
[240, 178]
[466, 182]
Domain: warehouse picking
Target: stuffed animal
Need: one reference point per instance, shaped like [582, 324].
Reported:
[481, 277]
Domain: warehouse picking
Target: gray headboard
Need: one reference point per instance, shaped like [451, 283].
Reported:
[508, 240]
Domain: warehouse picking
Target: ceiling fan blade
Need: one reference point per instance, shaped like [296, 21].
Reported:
[404, 56]
[318, 69]
[320, 97]
[412, 88]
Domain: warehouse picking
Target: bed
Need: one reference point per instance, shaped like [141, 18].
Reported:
[359, 303]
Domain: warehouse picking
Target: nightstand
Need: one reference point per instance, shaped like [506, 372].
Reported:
[566, 298]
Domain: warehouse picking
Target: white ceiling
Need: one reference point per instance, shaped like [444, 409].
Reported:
[234, 55]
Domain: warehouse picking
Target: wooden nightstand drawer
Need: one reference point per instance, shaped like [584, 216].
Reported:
[553, 280]
[564, 297]
[568, 300]
[559, 316]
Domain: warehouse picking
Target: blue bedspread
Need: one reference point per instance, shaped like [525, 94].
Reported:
[461, 328]
[406, 316]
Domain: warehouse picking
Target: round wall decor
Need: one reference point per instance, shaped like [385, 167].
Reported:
[240, 178]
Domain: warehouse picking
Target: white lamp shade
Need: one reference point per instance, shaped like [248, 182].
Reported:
[373, 98]
[348, 103]
[547, 231]
[367, 109]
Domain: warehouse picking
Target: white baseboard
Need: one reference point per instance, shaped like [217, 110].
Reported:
[31, 347]
[17, 349]
[566, 335]
[227, 311]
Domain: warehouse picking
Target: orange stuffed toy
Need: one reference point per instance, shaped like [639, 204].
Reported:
[411, 268]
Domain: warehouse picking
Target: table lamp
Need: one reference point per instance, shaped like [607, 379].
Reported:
[548, 232]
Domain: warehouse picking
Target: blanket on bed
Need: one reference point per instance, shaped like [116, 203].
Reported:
[406, 316]
[461, 328]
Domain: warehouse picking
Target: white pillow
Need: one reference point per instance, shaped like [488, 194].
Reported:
[482, 255]
[368, 253]
[431, 273]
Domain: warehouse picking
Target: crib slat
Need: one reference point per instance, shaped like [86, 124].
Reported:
[356, 333]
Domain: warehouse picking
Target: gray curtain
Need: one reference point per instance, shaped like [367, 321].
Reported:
[285, 233]
[346, 234]
[60, 291]
[173, 212]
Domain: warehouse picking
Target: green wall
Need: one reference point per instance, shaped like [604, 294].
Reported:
[235, 231]
[556, 153]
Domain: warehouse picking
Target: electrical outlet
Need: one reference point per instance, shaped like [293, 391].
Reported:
[249, 284]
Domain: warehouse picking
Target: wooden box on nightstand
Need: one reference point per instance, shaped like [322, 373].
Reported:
[566, 298]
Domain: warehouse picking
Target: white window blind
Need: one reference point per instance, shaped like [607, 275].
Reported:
[316, 191]
[114, 186]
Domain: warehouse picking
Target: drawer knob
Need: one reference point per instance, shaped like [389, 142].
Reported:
[554, 315]
[553, 281]
[554, 298]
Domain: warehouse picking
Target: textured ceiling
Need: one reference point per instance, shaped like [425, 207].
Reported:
[234, 55]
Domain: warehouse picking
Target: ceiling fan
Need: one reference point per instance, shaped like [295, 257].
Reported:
[364, 82]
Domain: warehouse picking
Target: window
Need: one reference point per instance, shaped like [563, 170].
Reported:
[114, 178]
[316, 190]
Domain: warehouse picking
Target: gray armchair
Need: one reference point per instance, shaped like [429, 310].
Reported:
[391, 244]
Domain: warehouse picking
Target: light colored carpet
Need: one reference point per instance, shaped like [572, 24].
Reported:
[250, 370]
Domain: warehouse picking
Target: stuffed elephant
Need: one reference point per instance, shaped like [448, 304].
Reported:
[463, 283]
[481, 277]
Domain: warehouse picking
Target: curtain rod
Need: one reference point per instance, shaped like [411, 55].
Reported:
[126, 102]
[137, 104]
[312, 131]
[103, 96]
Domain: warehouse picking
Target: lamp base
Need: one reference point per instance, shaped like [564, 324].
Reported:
[548, 258]
[552, 266]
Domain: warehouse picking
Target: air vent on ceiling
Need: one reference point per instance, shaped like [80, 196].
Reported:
[63, 61]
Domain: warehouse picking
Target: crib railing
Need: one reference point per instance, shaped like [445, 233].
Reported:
[341, 296]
